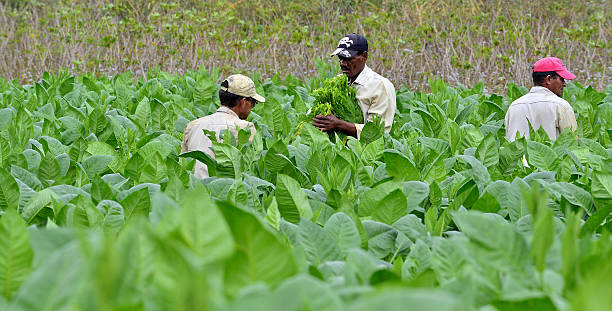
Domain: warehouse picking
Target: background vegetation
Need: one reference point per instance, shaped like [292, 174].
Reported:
[460, 41]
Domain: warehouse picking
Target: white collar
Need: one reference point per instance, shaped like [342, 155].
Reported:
[363, 76]
[227, 110]
[541, 90]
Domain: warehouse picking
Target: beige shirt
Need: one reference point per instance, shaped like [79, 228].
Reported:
[375, 96]
[543, 109]
[195, 139]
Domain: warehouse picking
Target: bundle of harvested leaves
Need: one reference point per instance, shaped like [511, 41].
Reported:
[336, 97]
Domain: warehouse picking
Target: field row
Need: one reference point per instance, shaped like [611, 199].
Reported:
[100, 211]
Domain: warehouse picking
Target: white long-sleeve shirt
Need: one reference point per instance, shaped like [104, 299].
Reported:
[376, 96]
[543, 109]
[195, 139]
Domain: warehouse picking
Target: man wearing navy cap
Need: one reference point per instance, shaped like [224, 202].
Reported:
[543, 105]
[375, 93]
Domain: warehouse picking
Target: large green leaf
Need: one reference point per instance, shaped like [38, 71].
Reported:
[542, 303]
[155, 170]
[372, 198]
[601, 187]
[417, 261]
[90, 84]
[84, 214]
[202, 227]
[26, 177]
[573, 194]
[292, 201]
[259, 254]
[495, 237]
[297, 293]
[511, 154]
[49, 168]
[142, 116]
[359, 267]
[601, 190]
[37, 203]
[67, 86]
[487, 151]
[593, 292]
[480, 174]
[543, 234]
[15, 253]
[540, 155]
[113, 214]
[412, 227]
[381, 238]
[273, 214]
[373, 151]
[96, 164]
[134, 166]
[228, 160]
[569, 249]
[466, 195]
[100, 190]
[210, 162]
[487, 203]
[399, 300]
[509, 197]
[137, 203]
[9, 191]
[319, 245]
[313, 137]
[465, 113]
[372, 131]
[344, 231]
[435, 146]
[33, 158]
[165, 147]
[449, 258]
[400, 166]
[391, 208]
[52, 286]
[416, 192]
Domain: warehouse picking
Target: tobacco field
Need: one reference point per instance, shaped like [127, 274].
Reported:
[99, 209]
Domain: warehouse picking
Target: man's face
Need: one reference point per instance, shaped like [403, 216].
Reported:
[244, 107]
[555, 84]
[353, 66]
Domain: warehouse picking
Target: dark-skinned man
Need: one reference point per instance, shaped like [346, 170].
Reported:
[238, 97]
[543, 105]
[375, 93]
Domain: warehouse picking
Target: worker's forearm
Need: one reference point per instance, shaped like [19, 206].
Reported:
[347, 128]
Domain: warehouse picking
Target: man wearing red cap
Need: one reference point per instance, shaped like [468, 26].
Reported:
[543, 105]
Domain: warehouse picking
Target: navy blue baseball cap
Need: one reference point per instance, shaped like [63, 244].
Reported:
[350, 45]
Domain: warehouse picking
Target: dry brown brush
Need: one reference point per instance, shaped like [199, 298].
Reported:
[411, 41]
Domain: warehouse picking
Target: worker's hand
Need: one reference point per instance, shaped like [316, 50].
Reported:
[326, 123]
[333, 123]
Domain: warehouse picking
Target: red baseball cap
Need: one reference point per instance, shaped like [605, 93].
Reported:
[553, 64]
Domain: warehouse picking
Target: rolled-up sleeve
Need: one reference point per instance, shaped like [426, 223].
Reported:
[187, 137]
[381, 100]
[566, 117]
[199, 141]
[194, 139]
[516, 123]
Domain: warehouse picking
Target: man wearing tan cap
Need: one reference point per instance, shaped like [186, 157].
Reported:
[543, 105]
[238, 97]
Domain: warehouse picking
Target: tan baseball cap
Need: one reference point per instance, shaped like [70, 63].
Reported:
[242, 85]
